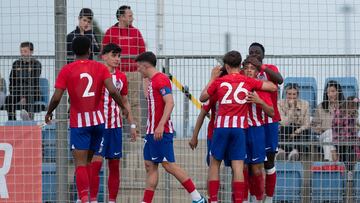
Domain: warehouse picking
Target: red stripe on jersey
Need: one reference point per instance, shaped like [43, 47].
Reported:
[231, 122]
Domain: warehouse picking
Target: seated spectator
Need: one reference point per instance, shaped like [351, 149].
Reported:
[24, 84]
[295, 121]
[324, 114]
[2, 91]
[345, 128]
[84, 28]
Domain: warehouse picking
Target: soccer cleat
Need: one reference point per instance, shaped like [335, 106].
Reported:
[202, 200]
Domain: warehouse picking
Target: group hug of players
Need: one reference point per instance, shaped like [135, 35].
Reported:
[243, 126]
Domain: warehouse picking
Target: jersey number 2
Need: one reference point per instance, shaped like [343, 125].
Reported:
[239, 89]
[87, 92]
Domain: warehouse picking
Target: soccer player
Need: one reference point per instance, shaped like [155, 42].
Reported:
[229, 138]
[84, 80]
[271, 73]
[111, 144]
[260, 104]
[158, 147]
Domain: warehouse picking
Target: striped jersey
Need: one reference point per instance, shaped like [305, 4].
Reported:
[231, 91]
[112, 111]
[84, 81]
[256, 113]
[274, 95]
[159, 86]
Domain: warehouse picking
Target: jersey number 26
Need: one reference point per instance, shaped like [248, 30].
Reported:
[235, 93]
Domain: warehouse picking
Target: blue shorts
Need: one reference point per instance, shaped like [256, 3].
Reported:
[86, 138]
[111, 144]
[271, 137]
[228, 143]
[255, 145]
[227, 162]
[159, 151]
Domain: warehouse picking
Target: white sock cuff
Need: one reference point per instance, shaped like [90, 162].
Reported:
[270, 171]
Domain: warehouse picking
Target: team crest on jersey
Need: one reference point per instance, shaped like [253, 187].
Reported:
[119, 85]
[261, 77]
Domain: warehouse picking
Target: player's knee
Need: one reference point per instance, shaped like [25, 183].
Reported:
[270, 162]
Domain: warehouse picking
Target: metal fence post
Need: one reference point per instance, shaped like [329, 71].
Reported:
[186, 113]
[61, 115]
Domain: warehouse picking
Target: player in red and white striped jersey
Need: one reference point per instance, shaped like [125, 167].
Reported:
[269, 72]
[84, 79]
[158, 147]
[260, 105]
[111, 144]
[229, 138]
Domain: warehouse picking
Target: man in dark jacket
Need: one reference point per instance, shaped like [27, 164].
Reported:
[24, 84]
[83, 29]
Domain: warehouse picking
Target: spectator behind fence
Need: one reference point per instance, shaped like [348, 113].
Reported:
[2, 91]
[345, 128]
[24, 84]
[295, 121]
[84, 28]
[324, 113]
[132, 43]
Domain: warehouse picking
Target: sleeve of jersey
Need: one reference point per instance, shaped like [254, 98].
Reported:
[61, 80]
[212, 88]
[207, 105]
[124, 90]
[105, 72]
[256, 84]
[165, 87]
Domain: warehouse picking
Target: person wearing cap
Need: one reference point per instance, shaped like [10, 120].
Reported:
[131, 42]
[84, 28]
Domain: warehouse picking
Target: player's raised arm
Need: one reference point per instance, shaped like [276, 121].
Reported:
[54, 102]
[275, 77]
[253, 97]
[215, 73]
[115, 95]
[269, 86]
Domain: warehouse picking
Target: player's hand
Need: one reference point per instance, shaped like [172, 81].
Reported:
[215, 72]
[254, 61]
[253, 97]
[133, 134]
[193, 142]
[125, 113]
[48, 118]
[158, 134]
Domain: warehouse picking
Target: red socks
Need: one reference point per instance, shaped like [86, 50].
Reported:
[213, 189]
[270, 182]
[114, 178]
[82, 183]
[238, 191]
[148, 196]
[188, 185]
[94, 179]
[258, 186]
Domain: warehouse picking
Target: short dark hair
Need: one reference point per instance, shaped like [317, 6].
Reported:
[114, 48]
[232, 58]
[81, 45]
[292, 86]
[86, 12]
[259, 45]
[27, 44]
[147, 57]
[121, 10]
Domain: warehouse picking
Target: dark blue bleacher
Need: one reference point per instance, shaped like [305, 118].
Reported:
[356, 175]
[48, 134]
[308, 89]
[327, 182]
[349, 85]
[49, 182]
[289, 181]
[44, 92]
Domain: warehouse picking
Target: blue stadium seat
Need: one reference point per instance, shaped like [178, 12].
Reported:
[327, 181]
[20, 123]
[349, 85]
[44, 92]
[308, 89]
[289, 177]
[3, 81]
[49, 143]
[356, 175]
[49, 182]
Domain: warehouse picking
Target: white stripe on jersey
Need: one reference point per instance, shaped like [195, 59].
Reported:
[242, 120]
[95, 119]
[170, 127]
[254, 112]
[218, 122]
[79, 120]
[226, 121]
[100, 116]
[112, 119]
[87, 119]
[118, 115]
[234, 123]
[152, 107]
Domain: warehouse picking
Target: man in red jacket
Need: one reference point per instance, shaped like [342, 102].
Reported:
[132, 43]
